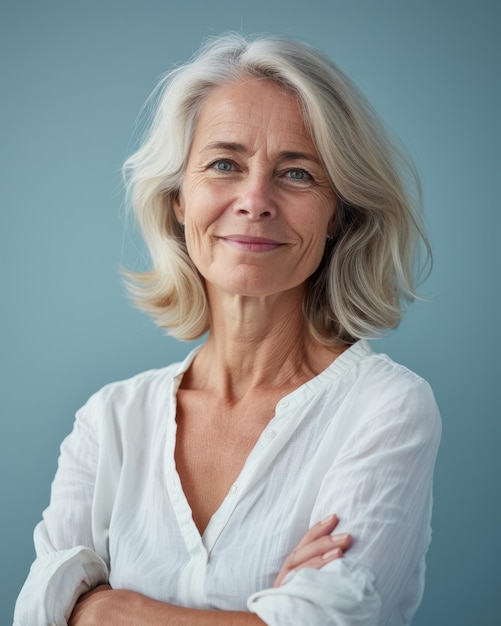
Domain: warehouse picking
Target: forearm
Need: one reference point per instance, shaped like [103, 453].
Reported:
[121, 607]
[179, 616]
[126, 608]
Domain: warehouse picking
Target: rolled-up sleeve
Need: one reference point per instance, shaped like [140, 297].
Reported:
[66, 564]
[56, 581]
[309, 596]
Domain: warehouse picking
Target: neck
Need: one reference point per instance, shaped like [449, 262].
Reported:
[256, 344]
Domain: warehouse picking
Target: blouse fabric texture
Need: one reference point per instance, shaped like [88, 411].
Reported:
[358, 440]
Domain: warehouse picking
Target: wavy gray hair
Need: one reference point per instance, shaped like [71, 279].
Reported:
[367, 269]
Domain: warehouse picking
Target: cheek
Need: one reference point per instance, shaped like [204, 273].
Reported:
[199, 242]
[316, 227]
[316, 237]
[203, 206]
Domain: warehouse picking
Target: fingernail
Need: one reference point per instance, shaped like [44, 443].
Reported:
[332, 554]
[328, 520]
[342, 537]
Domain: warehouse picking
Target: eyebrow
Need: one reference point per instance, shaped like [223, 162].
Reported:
[289, 155]
[224, 145]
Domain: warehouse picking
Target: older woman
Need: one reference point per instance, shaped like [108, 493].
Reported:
[207, 492]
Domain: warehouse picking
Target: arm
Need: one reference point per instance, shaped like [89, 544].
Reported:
[379, 483]
[104, 605]
[70, 560]
[128, 608]
[67, 563]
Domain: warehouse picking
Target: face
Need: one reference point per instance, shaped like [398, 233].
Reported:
[255, 200]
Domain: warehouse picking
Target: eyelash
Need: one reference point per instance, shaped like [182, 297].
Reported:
[215, 163]
[286, 173]
[307, 175]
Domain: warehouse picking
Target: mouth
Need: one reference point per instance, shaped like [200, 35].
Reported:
[251, 244]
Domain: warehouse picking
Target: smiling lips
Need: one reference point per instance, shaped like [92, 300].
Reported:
[251, 244]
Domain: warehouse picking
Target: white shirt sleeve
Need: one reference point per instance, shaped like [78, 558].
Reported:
[380, 486]
[66, 565]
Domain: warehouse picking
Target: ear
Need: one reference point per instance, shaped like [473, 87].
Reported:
[178, 208]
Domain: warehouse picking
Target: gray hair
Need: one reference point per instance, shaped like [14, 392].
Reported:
[368, 266]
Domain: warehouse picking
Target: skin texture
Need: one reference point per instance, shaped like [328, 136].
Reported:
[257, 206]
[254, 171]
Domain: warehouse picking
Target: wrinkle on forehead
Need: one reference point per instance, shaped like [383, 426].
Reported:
[237, 110]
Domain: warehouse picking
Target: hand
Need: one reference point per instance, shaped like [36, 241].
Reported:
[315, 549]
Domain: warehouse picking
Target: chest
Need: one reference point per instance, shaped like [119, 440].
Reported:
[213, 442]
[250, 516]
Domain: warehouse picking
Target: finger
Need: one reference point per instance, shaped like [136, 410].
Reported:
[342, 540]
[321, 529]
[315, 562]
[319, 561]
[317, 548]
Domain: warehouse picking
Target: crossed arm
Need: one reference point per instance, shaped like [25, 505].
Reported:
[380, 481]
[119, 607]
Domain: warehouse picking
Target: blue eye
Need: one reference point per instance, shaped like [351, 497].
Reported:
[222, 165]
[298, 174]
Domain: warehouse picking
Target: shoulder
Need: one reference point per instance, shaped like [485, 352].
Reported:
[378, 373]
[138, 387]
[139, 399]
[379, 390]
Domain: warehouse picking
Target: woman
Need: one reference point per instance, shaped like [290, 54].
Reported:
[207, 492]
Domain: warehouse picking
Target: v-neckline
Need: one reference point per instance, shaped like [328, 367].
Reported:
[194, 540]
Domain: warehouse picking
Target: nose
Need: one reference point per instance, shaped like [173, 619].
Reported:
[255, 199]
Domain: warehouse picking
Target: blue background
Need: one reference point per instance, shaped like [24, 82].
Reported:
[73, 78]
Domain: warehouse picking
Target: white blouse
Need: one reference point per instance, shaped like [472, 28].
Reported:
[358, 440]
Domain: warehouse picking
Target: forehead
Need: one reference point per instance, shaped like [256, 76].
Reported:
[256, 110]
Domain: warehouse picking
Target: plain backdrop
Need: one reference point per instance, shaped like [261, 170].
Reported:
[74, 76]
